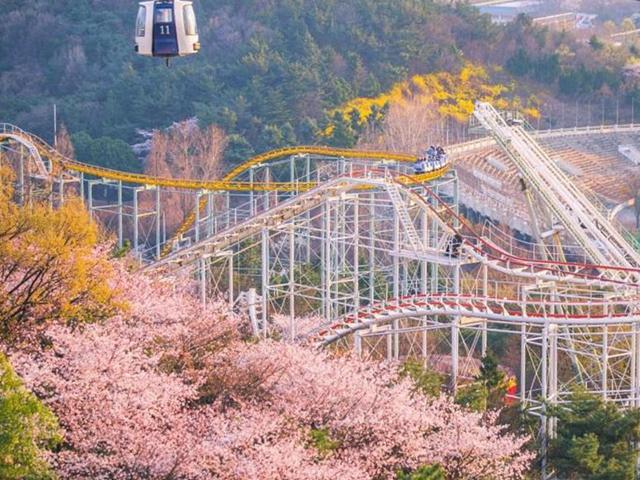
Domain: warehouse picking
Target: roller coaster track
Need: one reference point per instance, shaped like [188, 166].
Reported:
[332, 152]
[589, 226]
[488, 252]
[271, 218]
[227, 183]
[470, 307]
[477, 248]
[40, 148]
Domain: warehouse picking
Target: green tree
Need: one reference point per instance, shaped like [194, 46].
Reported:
[596, 43]
[489, 388]
[106, 152]
[474, 396]
[596, 440]
[490, 375]
[342, 134]
[321, 439]
[425, 381]
[238, 150]
[519, 64]
[432, 472]
[27, 430]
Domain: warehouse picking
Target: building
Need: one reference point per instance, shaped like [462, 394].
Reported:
[506, 12]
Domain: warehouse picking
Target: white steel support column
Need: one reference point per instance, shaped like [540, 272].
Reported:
[337, 258]
[396, 257]
[605, 361]
[202, 264]
[327, 262]
[231, 278]
[636, 355]
[323, 256]
[210, 213]
[396, 339]
[523, 350]
[553, 374]
[82, 187]
[356, 253]
[357, 344]
[485, 294]
[396, 281]
[455, 335]
[424, 285]
[544, 379]
[424, 264]
[266, 267]
[435, 230]
[523, 361]
[292, 284]
[90, 197]
[120, 215]
[634, 366]
[371, 248]
[308, 213]
[164, 228]
[227, 204]
[267, 181]
[252, 204]
[136, 219]
[158, 224]
[197, 221]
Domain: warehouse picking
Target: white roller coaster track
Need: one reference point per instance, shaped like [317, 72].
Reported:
[590, 227]
[475, 307]
[476, 249]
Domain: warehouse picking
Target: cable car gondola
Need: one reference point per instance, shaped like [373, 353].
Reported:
[166, 28]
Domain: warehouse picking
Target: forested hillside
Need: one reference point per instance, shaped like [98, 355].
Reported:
[268, 74]
[268, 71]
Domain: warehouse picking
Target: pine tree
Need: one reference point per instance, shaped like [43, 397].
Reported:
[595, 439]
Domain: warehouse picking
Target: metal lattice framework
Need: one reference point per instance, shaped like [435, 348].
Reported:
[349, 250]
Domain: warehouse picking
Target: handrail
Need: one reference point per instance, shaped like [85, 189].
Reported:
[504, 256]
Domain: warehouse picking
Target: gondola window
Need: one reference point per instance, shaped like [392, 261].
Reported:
[141, 22]
[190, 26]
[164, 15]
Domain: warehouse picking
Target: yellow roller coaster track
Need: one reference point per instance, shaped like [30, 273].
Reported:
[227, 183]
[286, 152]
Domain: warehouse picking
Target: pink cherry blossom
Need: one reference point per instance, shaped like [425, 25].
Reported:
[169, 389]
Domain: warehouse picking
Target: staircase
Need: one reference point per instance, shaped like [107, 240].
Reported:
[400, 207]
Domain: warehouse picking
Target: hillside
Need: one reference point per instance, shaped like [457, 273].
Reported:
[268, 72]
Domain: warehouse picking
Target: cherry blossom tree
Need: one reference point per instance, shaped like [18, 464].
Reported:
[170, 389]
